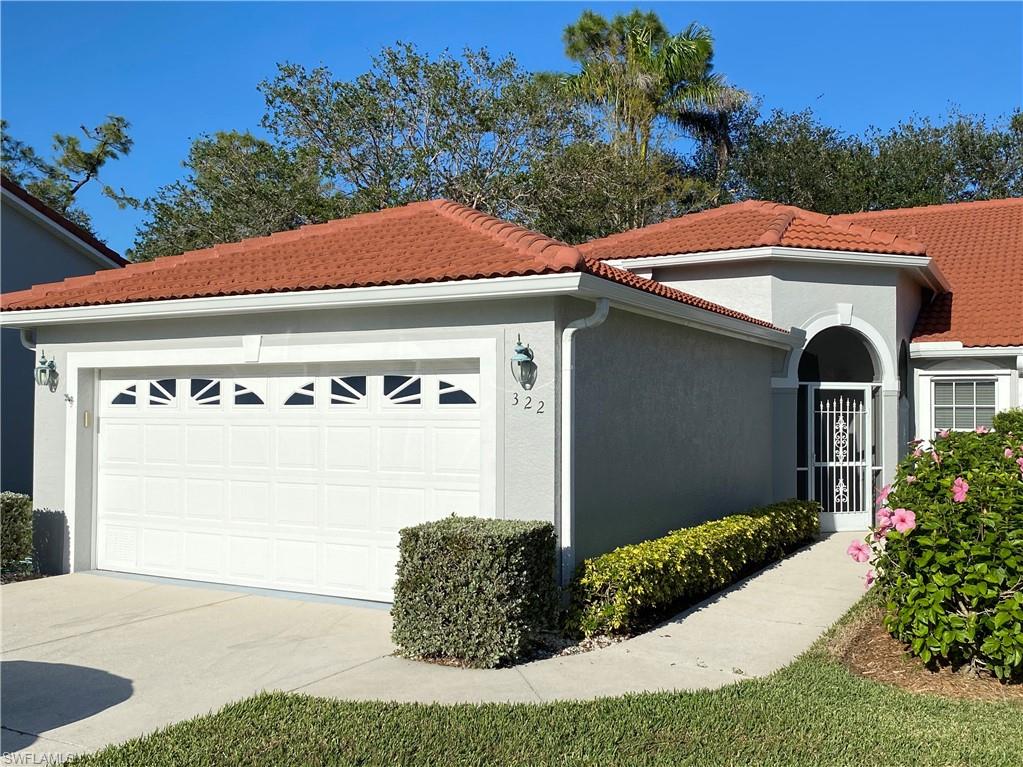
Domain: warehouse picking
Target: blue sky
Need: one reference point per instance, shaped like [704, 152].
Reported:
[182, 69]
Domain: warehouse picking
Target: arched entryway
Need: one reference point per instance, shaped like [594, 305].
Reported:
[837, 458]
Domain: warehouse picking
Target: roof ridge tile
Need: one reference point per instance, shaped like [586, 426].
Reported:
[546, 251]
[776, 229]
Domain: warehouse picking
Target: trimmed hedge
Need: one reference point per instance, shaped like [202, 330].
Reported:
[15, 531]
[478, 591]
[626, 589]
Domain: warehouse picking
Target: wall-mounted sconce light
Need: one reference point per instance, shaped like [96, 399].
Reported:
[46, 373]
[523, 369]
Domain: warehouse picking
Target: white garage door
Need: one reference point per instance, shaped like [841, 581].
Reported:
[286, 481]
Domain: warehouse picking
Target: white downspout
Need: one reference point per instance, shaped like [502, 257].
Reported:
[28, 338]
[567, 533]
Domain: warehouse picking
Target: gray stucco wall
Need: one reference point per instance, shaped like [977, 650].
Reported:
[527, 472]
[673, 428]
[810, 294]
[30, 253]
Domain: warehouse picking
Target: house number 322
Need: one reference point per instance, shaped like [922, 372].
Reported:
[527, 403]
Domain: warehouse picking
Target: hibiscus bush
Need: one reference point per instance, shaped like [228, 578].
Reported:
[947, 552]
[1010, 421]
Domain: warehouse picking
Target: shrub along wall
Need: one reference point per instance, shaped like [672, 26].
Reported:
[947, 551]
[627, 589]
[478, 591]
[15, 531]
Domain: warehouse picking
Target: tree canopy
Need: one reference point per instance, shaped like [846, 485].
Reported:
[645, 129]
[74, 164]
[236, 186]
[796, 159]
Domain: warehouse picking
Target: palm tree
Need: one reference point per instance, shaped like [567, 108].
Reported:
[634, 70]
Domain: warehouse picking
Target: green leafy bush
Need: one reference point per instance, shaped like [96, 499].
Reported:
[1009, 422]
[948, 552]
[479, 591]
[632, 586]
[15, 531]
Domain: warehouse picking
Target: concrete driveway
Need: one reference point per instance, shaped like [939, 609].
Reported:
[93, 659]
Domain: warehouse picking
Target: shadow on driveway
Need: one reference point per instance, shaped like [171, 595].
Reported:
[37, 697]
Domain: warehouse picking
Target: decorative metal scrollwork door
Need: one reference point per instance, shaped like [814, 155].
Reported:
[841, 448]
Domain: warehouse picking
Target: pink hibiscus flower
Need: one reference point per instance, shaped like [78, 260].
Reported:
[935, 457]
[870, 579]
[859, 551]
[904, 519]
[982, 430]
[910, 479]
[943, 433]
[884, 523]
[1019, 461]
[1008, 452]
[882, 497]
[917, 453]
[959, 490]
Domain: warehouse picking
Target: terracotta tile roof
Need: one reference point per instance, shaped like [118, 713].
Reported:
[979, 248]
[69, 226]
[749, 224]
[422, 242]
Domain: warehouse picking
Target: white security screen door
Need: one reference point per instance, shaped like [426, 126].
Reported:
[295, 481]
[840, 452]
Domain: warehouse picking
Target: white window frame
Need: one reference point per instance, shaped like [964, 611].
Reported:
[924, 387]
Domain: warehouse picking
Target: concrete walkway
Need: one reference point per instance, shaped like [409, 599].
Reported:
[92, 659]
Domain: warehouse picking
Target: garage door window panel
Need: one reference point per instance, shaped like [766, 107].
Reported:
[303, 396]
[205, 392]
[163, 393]
[250, 394]
[403, 390]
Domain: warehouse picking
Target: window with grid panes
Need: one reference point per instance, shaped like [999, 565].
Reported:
[963, 404]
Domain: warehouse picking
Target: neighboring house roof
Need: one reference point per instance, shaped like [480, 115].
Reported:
[750, 224]
[422, 242]
[979, 248]
[40, 207]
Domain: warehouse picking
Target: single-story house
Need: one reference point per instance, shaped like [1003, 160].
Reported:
[37, 245]
[271, 412]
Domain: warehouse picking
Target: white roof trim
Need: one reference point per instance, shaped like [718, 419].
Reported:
[955, 349]
[568, 283]
[924, 266]
[86, 249]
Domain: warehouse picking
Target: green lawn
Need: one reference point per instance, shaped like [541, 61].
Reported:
[810, 713]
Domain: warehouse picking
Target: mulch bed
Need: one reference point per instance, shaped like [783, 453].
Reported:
[866, 649]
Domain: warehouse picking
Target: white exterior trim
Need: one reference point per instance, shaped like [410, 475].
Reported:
[87, 249]
[955, 349]
[80, 363]
[923, 381]
[571, 283]
[210, 306]
[924, 267]
[885, 358]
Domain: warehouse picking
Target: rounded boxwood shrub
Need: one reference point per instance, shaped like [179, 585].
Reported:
[15, 531]
[479, 591]
[947, 551]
